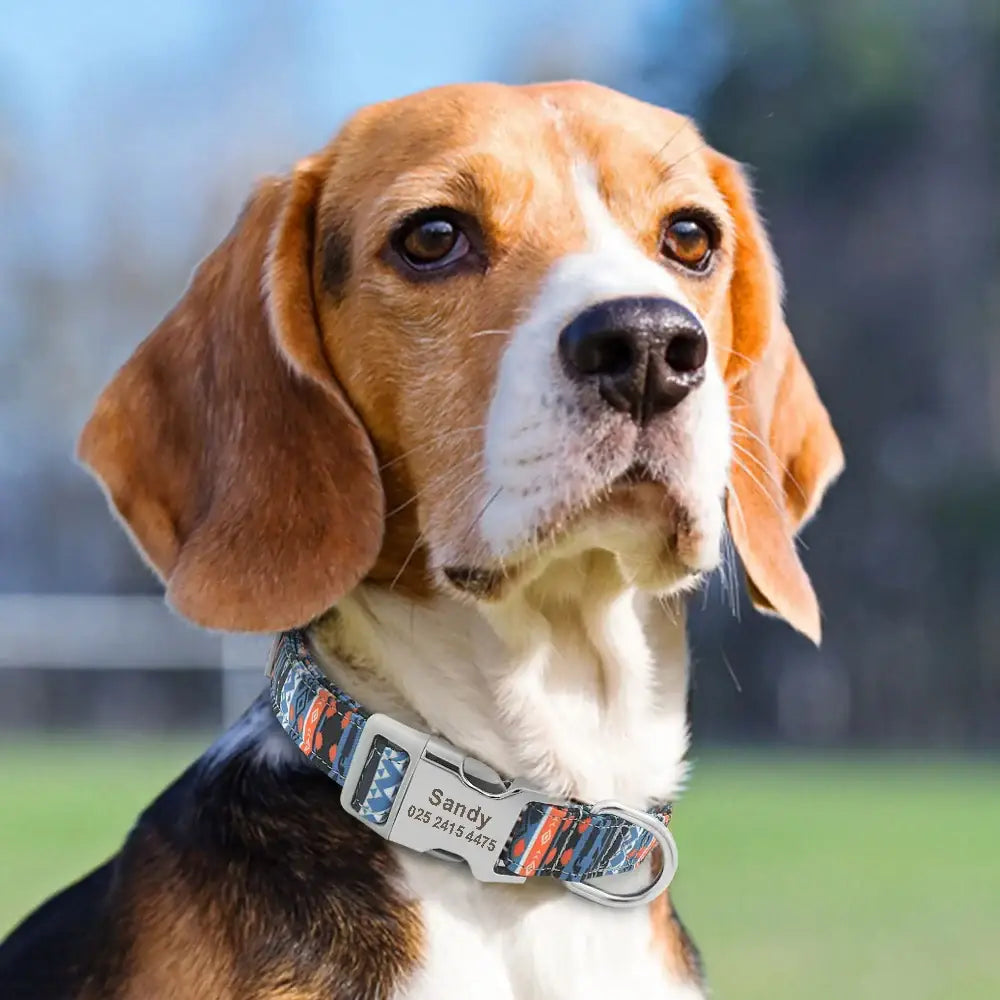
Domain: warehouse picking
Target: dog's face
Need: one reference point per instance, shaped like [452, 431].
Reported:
[485, 326]
[526, 285]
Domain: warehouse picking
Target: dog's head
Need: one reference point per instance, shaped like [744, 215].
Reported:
[484, 328]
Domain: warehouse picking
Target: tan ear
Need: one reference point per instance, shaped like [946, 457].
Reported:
[225, 443]
[785, 451]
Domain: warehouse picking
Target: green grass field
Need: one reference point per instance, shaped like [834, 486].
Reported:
[800, 877]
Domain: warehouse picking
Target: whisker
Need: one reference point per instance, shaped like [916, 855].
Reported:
[421, 537]
[482, 511]
[430, 444]
[406, 561]
[749, 473]
[734, 497]
[434, 482]
[464, 481]
[730, 561]
[723, 571]
[672, 607]
[743, 429]
[747, 453]
[732, 673]
[745, 357]
[488, 333]
[683, 125]
[683, 157]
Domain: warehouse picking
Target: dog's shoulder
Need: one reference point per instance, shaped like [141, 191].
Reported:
[51, 951]
[244, 876]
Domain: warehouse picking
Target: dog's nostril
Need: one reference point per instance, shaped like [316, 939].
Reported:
[609, 352]
[687, 351]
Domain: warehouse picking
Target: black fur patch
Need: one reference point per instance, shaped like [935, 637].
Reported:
[336, 250]
[693, 961]
[253, 861]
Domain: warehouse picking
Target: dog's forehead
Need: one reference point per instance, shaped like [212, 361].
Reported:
[533, 126]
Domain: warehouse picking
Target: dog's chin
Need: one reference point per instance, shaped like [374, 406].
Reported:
[660, 544]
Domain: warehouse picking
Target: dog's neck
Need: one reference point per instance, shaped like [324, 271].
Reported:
[575, 682]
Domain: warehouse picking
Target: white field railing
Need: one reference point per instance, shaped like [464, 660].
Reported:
[133, 632]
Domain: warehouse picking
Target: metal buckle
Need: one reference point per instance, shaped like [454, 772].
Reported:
[449, 805]
[668, 863]
[459, 809]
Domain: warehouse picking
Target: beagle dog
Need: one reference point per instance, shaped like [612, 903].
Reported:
[462, 407]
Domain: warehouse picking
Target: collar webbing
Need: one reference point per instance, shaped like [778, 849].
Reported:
[418, 790]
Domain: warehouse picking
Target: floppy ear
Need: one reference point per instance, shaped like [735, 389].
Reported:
[785, 451]
[225, 443]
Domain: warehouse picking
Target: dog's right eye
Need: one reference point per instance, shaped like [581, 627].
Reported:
[431, 240]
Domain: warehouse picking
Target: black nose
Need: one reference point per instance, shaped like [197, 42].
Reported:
[644, 354]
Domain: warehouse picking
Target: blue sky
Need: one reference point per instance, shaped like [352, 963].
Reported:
[59, 53]
[140, 100]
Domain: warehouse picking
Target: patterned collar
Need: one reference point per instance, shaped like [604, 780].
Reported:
[419, 791]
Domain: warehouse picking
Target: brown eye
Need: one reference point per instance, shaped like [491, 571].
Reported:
[689, 241]
[431, 241]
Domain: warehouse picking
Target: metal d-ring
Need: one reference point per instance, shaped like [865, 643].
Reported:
[668, 868]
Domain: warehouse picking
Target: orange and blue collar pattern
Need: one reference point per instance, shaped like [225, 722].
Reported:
[419, 791]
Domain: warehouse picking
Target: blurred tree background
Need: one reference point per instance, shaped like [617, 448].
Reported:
[873, 130]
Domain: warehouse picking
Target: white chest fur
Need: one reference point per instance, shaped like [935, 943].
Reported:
[526, 942]
[581, 694]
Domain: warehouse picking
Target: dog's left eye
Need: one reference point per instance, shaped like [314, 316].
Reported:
[430, 240]
[689, 240]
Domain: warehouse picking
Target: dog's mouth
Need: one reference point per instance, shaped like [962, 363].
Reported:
[635, 511]
[484, 582]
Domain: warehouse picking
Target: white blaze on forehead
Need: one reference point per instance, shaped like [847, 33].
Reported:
[535, 426]
[612, 252]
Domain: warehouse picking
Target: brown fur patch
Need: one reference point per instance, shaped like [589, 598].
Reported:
[671, 938]
[225, 442]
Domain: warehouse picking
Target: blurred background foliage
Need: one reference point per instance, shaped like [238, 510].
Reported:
[873, 128]
[884, 198]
